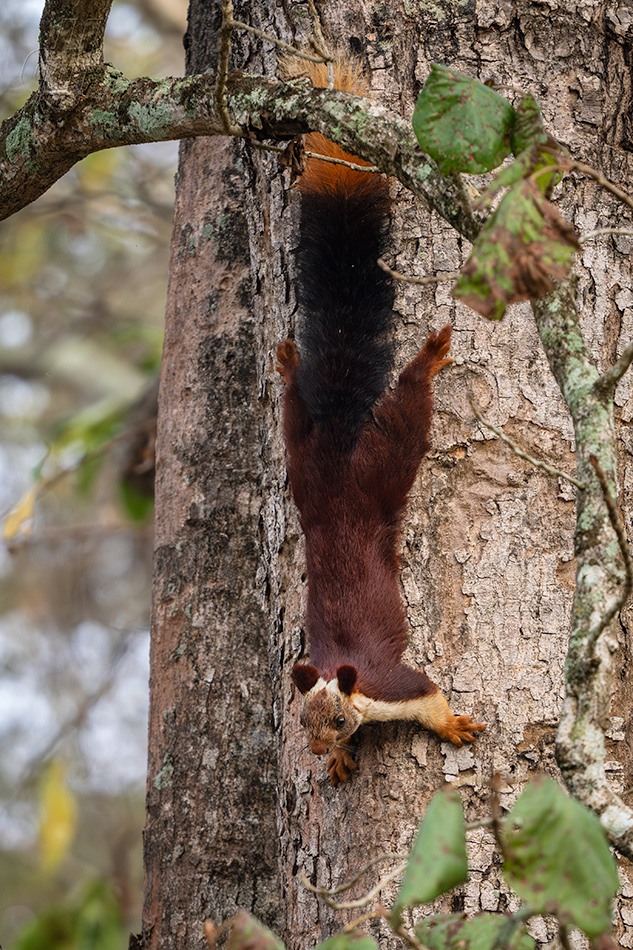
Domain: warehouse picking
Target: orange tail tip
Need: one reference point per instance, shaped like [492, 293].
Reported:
[320, 176]
[348, 73]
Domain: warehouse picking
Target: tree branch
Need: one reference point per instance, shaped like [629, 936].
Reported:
[618, 527]
[589, 680]
[538, 463]
[423, 281]
[104, 110]
[70, 45]
[606, 384]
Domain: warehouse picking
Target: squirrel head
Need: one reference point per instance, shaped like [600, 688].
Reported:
[328, 716]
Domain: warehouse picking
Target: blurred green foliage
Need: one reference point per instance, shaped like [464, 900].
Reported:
[83, 276]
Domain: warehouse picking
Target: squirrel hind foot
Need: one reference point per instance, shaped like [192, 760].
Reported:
[436, 347]
[340, 765]
[461, 729]
[287, 361]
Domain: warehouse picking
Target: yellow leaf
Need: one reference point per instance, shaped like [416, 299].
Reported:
[15, 522]
[58, 817]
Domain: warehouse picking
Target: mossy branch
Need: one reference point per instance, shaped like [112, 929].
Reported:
[600, 570]
[83, 106]
[71, 44]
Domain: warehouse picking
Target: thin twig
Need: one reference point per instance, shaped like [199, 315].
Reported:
[483, 823]
[238, 25]
[358, 921]
[371, 895]
[85, 531]
[528, 458]
[571, 165]
[37, 762]
[48, 483]
[628, 232]
[616, 524]
[410, 938]
[361, 901]
[331, 891]
[267, 148]
[612, 376]
[563, 936]
[593, 173]
[318, 41]
[434, 279]
[373, 169]
[223, 69]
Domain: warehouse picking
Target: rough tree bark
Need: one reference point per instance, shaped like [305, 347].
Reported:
[237, 808]
[488, 549]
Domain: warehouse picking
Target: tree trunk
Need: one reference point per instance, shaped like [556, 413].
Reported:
[488, 547]
[210, 836]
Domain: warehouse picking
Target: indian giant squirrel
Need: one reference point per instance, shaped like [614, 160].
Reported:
[353, 451]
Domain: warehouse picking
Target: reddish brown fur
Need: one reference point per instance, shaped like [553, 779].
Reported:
[350, 507]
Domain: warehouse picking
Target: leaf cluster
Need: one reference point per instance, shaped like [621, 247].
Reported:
[525, 245]
[555, 857]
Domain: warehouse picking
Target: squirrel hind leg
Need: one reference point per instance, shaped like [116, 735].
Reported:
[287, 361]
[435, 349]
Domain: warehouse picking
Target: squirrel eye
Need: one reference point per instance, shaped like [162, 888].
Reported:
[340, 722]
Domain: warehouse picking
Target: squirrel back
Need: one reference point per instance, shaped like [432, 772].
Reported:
[345, 299]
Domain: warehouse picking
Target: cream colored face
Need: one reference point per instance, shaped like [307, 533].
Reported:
[328, 717]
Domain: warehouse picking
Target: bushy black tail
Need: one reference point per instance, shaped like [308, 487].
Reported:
[346, 300]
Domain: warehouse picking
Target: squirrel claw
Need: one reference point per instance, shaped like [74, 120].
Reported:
[288, 361]
[340, 765]
[462, 729]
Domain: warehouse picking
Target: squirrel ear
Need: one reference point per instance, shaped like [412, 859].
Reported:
[346, 676]
[304, 676]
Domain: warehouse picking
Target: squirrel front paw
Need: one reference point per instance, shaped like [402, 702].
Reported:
[461, 729]
[340, 765]
[287, 361]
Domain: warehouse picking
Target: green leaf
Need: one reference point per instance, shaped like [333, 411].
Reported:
[454, 932]
[462, 124]
[528, 127]
[529, 161]
[353, 941]
[523, 248]
[87, 473]
[557, 858]
[137, 506]
[247, 933]
[91, 921]
[437, 862]
[89, 429]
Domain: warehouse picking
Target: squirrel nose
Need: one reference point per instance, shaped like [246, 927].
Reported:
[318, 748]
